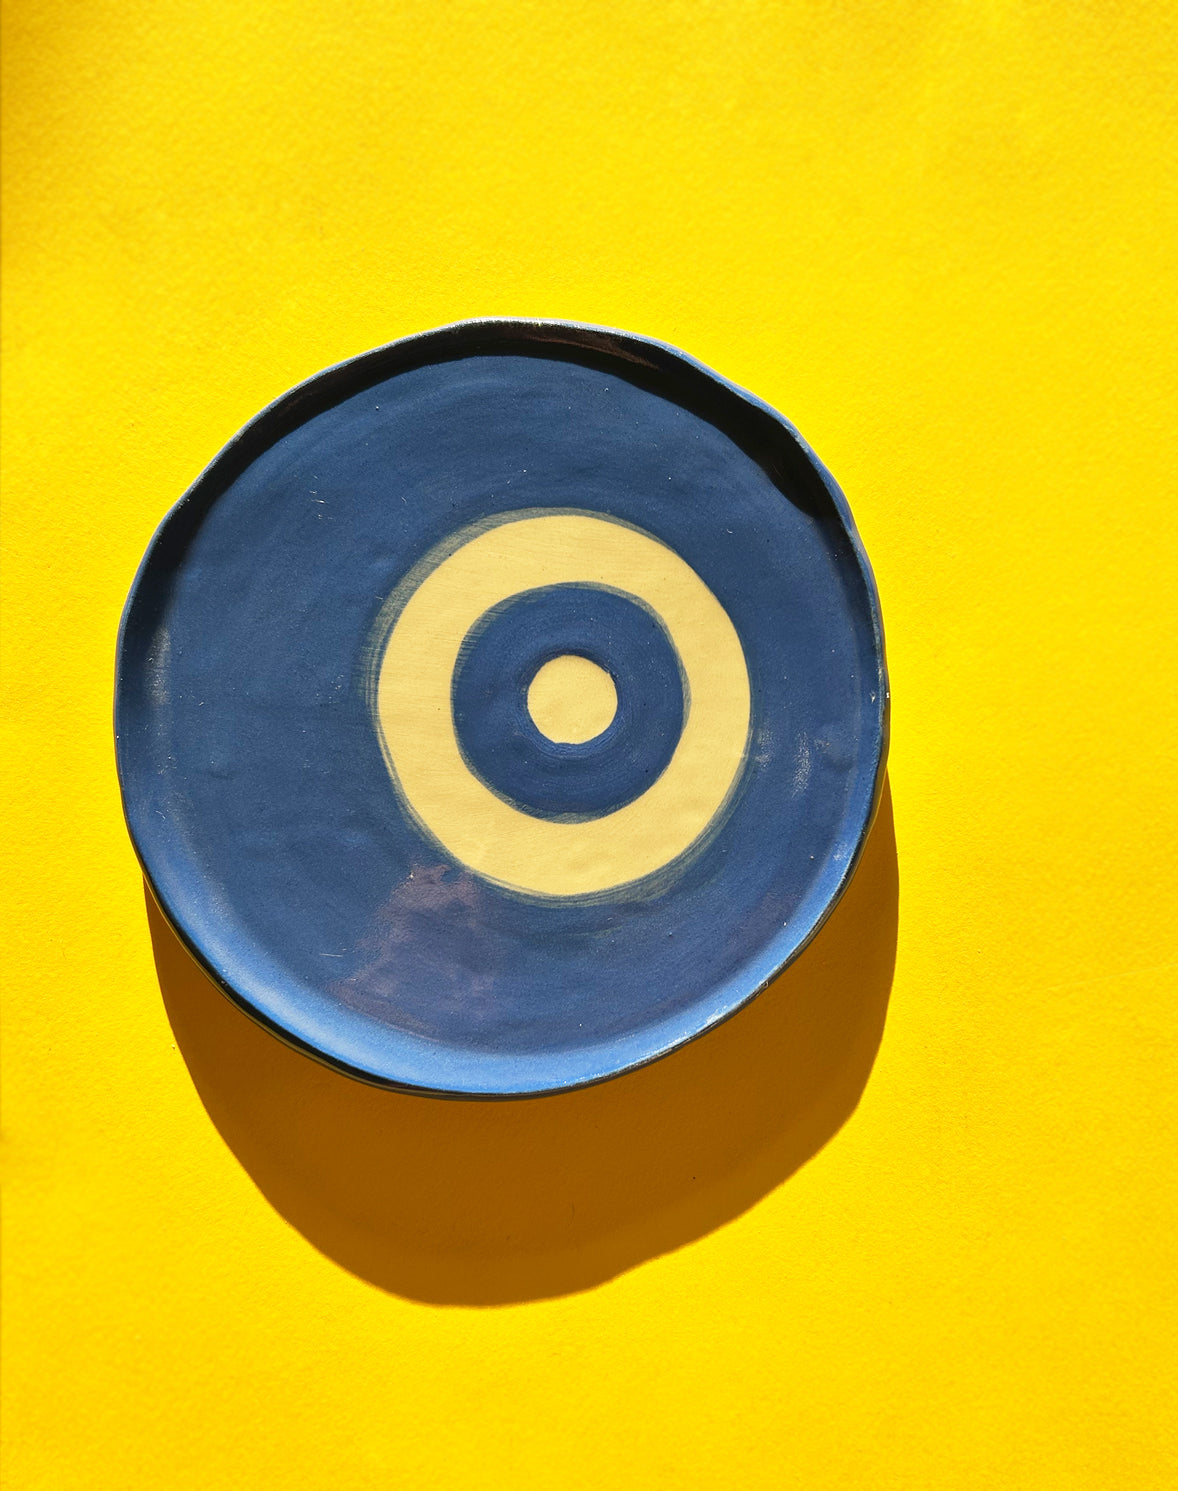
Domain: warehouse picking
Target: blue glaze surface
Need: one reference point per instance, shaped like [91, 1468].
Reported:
[253, 781]
[503, 653]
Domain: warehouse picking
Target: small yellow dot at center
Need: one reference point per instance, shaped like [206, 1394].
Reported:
[572, 700]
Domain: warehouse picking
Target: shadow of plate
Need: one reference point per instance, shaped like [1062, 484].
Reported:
[470, 1203]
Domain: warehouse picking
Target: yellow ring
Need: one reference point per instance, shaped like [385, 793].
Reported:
[416, 728]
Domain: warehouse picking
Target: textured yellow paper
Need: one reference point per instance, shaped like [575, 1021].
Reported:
[939, 235]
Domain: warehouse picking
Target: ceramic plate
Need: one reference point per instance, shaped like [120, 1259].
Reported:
[502, 708]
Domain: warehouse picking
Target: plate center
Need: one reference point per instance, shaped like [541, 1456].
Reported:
[572, 700]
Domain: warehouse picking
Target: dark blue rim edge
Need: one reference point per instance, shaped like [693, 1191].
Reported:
[523, 336]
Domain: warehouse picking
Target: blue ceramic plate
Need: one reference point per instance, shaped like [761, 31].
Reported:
[502, 708]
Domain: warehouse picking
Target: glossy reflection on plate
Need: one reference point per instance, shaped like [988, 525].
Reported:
[502, 708]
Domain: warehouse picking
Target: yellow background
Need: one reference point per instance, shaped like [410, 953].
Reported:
[939, 235]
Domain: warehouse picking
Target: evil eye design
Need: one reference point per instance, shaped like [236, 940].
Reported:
[546, 616]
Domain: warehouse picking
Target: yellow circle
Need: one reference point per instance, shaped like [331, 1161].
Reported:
[411, 689]
[572, 700]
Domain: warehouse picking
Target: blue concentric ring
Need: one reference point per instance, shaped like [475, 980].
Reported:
[499, 740]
